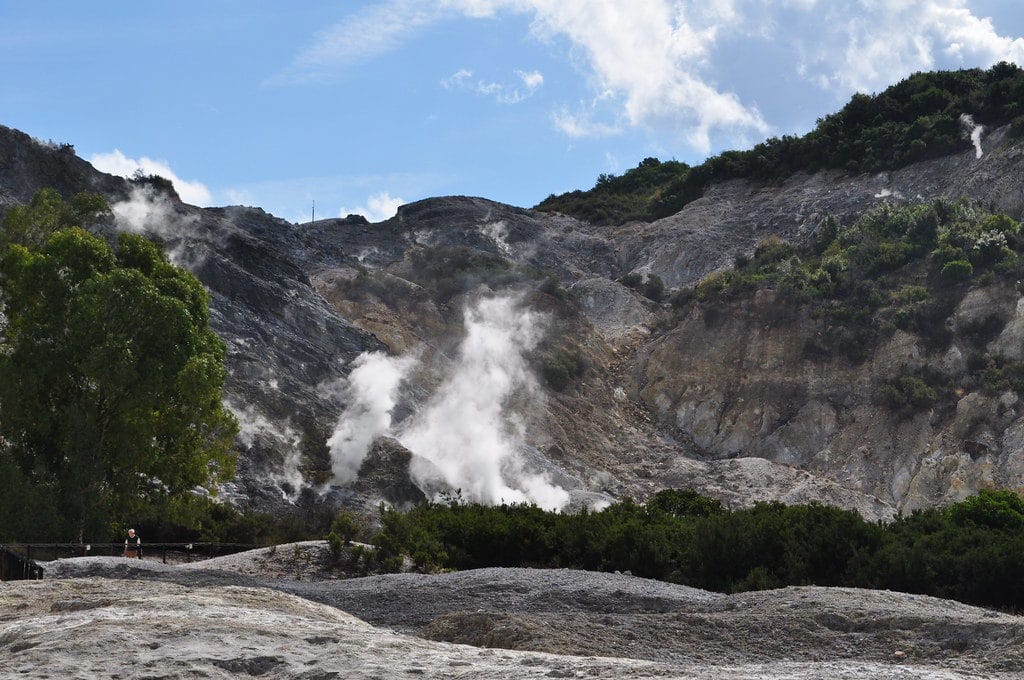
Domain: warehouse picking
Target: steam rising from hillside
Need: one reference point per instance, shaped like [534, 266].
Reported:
[372, 391]
[466, 431]
[149, 212]
[470, 433]
[254, 427]
[974, 131]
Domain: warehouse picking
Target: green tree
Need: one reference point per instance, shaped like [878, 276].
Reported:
[110, 378]
[31, 224]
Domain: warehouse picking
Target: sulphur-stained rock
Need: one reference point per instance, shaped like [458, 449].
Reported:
[740, 482]
[984, 309]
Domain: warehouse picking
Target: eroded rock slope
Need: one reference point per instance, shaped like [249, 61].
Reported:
[630, 399]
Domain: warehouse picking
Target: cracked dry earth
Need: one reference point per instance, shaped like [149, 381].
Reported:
[174, 622]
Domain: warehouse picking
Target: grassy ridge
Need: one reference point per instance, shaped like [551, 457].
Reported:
[915, 119]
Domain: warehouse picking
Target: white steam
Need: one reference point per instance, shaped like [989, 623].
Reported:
[255, 428]
[498, 233]
[372, 390]
[974, 131]
[467, 431]
[470, 434]
[148, 211]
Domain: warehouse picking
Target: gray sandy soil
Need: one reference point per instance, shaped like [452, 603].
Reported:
[594, 614]
[106, 628]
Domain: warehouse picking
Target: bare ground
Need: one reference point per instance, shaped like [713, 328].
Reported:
[559, 622]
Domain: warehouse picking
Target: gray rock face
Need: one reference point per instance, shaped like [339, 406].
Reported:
[385, 477]
[616, 311]
[730, 406]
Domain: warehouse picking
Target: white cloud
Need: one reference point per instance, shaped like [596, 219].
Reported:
[116, 163]
[367, 33]
[531, 79]
[646, 56]
[577, 125]
[378, 208]
[869, 44]
[503, 93]
[651, 64]
[645, 59]
[457, 79]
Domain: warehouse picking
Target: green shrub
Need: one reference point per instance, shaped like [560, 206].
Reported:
[562, 368]
[972, 551]
[346, 526]
[957, 270]
[992, 509]
[654, 288]
[1017, 127]
[907, 394]
[631, 280]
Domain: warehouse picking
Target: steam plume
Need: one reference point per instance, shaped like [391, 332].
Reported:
[372, 391]
[974, 130]
[468, 433]
[256, 428]
[149, 212]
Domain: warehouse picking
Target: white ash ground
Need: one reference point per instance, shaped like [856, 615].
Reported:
[558, 622]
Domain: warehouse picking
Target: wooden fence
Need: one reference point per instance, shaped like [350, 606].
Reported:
[20, 561]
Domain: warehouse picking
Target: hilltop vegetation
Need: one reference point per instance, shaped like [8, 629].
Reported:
[916, 119]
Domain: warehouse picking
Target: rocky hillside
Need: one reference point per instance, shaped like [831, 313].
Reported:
[513, 354]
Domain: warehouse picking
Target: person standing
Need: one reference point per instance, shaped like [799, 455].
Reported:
[133, 546]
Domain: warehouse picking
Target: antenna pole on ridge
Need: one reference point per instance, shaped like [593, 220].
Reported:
[312, 218]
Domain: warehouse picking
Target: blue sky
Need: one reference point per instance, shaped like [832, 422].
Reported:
[364, 105]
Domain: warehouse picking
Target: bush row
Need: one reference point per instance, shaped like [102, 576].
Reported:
[972, 551]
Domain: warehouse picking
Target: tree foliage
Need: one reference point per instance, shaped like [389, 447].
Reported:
[110, 378]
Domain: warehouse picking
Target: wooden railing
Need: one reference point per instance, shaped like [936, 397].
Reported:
[20, 560]
[17, 567]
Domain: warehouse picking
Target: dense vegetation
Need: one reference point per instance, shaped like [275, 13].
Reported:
[894, 268]
[972, 551]
[916, 119]
[110, 379]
